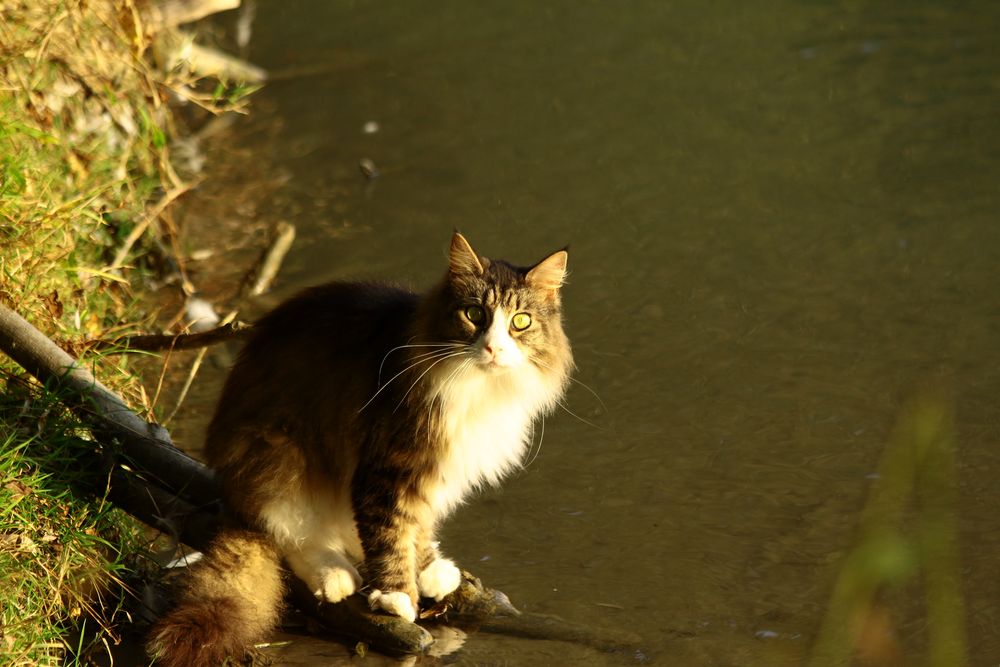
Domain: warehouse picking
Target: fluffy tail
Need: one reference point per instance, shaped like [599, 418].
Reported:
[231, 601]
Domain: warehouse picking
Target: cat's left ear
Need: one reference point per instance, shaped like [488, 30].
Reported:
[462, 259]
[550, 273]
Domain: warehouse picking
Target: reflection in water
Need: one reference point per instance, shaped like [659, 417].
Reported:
[782, 219]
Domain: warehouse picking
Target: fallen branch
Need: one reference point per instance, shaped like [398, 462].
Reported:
[159, 14]
[180, 50]
[352, 618]
[478, 607]
[181, 498]
[142, 446]
[257, 281]
[180, 341]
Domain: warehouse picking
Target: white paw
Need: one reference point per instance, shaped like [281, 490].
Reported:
[398, 604]
[337, 583]
[439, 578]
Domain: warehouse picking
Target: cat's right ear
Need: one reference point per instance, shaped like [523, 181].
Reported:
[550, 273]
[462, 259]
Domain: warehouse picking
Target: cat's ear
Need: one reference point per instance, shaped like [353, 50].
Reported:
[550, 273]
[462, 259]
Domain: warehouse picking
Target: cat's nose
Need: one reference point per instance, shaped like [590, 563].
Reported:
[493, 351]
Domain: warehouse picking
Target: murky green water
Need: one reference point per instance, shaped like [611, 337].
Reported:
[783, 220]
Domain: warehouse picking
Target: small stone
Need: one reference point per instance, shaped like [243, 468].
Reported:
[368, 168]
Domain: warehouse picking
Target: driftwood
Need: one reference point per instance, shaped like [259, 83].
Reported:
[484, 609]
[181, 497]
[160, 485]
[178, 48]
[160, 14]
[142, 446]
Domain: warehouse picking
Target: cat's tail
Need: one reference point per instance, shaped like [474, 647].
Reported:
[231, 600]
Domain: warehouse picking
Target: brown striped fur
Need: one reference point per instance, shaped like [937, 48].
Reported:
[359, 415]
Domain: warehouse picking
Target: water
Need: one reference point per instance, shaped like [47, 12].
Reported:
[783, 221]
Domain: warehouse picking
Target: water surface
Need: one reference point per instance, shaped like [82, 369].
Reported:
[782, 220]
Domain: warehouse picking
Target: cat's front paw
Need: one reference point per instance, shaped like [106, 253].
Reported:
[337, 583]
[398, 604]
[439, 579]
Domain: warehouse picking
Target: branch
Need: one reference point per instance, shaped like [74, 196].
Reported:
[179, 341]
[257, 281]
[145, 446]
[182, 499]
[159, 14]
[267, 267]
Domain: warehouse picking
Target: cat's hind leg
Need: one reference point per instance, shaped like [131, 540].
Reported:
[327, 573]
[318, 540]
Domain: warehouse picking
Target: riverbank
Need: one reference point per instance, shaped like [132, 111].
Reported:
[86, 186]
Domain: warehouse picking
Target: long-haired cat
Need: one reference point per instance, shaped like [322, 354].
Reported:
[356, 418]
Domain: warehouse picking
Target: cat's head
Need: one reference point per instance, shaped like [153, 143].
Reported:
[509, 318]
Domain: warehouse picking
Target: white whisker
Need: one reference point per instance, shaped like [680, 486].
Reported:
[593, 393]
[438, 354]
[447, 355]
[451, 378]
[579, 382]
[541, 436]
[570, 412]
[449, 344]
[444, 386]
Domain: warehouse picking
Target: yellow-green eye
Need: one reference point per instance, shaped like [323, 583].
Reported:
[521, 321]
[475, 314]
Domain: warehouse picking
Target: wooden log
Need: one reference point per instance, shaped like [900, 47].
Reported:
[178, 48]
[159, 14]
[475, 606]
[353, 619]
[142, 445]
[164, 487]
[193, 524]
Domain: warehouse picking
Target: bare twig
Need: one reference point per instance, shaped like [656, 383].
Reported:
[140, 228]
[284, 235]
[180, 341]
[195, 366]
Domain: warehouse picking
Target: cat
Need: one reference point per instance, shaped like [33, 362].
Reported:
[356, 418]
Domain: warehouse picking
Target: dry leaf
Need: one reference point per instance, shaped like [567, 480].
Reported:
[53, 304]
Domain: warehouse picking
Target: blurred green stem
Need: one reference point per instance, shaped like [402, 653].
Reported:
[918, 463]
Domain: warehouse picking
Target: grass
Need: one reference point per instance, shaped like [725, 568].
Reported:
[85, 179]
[64, 557]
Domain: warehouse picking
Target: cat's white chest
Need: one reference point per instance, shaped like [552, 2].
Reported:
[486, 433]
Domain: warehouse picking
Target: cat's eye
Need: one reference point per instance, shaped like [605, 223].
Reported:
[475, 314]
[520, 321]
